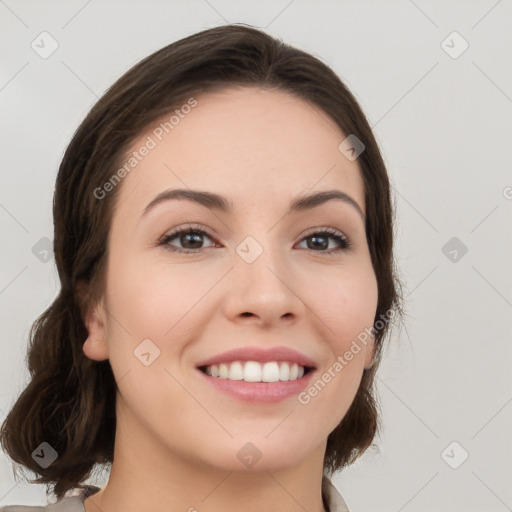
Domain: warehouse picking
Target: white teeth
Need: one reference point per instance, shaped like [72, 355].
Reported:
[284, 371]
[236, 371]
[270, 372]
[294, 372]
[223, 371]
[252, 371]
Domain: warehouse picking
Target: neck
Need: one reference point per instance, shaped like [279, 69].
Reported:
[147, 475]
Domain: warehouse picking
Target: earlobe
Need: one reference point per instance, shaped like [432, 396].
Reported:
[95, 349]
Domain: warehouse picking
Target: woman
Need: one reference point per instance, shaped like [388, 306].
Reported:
[223, 236]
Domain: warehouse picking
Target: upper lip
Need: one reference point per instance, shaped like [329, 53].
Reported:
[260, 355]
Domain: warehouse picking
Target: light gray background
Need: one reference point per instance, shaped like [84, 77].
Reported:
[444, 126]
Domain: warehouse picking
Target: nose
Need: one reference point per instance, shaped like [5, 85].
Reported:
[263, 291]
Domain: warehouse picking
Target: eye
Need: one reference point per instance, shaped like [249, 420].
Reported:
[320, 239]
[189, 238]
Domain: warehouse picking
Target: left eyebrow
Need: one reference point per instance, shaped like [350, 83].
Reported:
[220, 203]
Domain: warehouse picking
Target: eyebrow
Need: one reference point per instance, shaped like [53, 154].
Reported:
[220, 203]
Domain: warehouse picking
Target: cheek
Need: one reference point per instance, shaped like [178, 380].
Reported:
[150, 301]
[346, 302]
[156, 299]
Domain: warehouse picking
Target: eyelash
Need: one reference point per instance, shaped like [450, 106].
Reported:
[344, 242]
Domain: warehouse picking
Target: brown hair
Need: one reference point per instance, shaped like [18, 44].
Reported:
[69, 402]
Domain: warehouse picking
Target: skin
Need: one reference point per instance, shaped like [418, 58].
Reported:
[177, 438]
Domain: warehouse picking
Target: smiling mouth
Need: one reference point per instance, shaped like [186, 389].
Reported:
[254, 371]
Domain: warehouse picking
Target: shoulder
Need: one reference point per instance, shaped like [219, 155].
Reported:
[73, 502]
[335, 501]
[21, 508]
[69, 504]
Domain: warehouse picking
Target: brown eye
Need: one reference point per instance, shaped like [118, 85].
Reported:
[191, 240]
[319, 241]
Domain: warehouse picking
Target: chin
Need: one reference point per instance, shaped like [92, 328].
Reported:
[260, 454]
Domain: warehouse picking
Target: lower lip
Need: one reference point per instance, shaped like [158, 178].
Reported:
[259, 391]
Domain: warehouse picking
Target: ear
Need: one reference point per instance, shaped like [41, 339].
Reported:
[370, 353]
[95, 346]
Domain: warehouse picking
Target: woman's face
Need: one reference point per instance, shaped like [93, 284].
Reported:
[256, 276]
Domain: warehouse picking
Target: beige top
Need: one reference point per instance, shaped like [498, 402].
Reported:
[74, 501]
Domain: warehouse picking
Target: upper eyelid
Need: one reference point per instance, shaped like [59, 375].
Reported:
[320, 228]
[189, 227]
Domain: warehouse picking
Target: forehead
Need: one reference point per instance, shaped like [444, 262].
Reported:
[250, 144]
